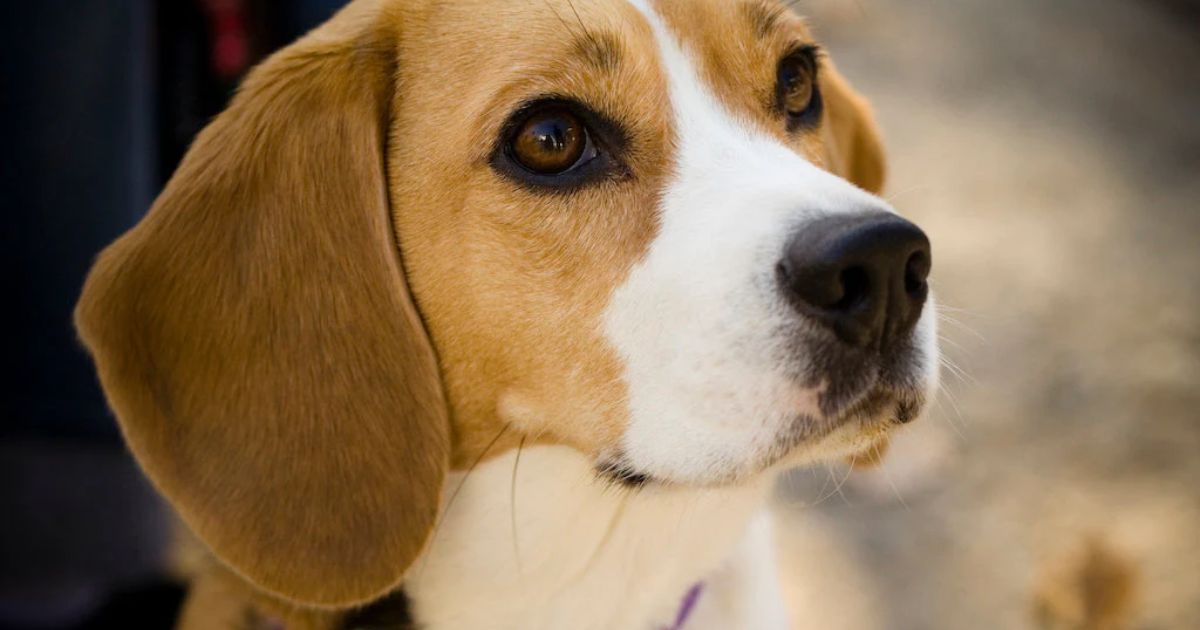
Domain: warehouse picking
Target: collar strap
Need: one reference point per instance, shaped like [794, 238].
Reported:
[686, 607]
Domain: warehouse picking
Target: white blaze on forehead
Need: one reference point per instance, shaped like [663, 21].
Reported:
[698, 322]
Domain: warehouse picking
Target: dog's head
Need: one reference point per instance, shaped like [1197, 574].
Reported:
[428, 231]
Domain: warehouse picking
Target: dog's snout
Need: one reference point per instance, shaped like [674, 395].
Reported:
[863, 276]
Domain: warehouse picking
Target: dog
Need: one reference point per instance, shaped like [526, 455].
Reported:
[507, 313]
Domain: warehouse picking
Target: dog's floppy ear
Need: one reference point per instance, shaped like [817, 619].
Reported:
[256, 337]
[853, 146]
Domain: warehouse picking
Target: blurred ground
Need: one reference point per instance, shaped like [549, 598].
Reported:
[1051, 149]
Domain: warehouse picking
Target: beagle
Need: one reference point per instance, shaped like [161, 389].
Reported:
[508, 312]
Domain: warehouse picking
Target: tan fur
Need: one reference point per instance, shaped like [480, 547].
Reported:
[295, 389]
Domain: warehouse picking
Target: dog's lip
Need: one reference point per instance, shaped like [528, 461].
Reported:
[880, 407]
[874, 404]
[622, 474]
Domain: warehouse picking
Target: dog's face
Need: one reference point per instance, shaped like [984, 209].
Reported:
[430, 232]
[593, 206]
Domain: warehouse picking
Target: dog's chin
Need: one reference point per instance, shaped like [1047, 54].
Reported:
[855, 428]
[861, 427]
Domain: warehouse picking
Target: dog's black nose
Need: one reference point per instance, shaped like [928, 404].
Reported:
[864, 276]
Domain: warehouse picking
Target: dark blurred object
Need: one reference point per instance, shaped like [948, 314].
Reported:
[98, 101]
[204, 49]
[80, 520]
[76, 103]
[1187, 10]
[154, 604]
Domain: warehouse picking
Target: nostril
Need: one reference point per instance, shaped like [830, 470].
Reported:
[783, 271]
[855, 285]
[916, 273]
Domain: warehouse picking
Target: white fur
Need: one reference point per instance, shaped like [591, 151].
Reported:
[570, 551]
[745, 593]
[698, 322]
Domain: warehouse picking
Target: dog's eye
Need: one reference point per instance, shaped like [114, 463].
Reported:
[797, 92]
[796, 86]
[551, 141]
[556, 145]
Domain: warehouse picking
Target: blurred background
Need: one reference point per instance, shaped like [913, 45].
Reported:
[1051, 149]
[98, 101]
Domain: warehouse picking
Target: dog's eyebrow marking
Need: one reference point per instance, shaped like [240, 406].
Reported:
[600, 50]
[764, 16]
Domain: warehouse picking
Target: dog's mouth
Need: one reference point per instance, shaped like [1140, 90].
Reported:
[623, 474]
[874, 413]
[884, 405]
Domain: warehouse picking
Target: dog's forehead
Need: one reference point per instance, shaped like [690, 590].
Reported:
[721, 31]
[727, 40]
[530, 29]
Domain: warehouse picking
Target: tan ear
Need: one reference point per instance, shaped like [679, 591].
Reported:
[256, 337]
[853, 146]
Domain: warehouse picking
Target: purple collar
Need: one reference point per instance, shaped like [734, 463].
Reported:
[686, 607]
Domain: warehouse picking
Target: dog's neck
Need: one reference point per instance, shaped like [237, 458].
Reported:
[540, 542]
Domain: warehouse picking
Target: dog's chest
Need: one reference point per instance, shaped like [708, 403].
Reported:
[566, 550]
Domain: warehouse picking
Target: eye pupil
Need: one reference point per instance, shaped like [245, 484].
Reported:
[791, 77]
[552, 135]
[549, 142]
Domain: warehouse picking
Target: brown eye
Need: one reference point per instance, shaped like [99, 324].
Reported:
[797, 91]
[550, 141]
[556, 145]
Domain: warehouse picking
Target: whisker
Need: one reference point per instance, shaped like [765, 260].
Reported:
[822, 495]
[437, 527]
[949, 398]
[950, 342]
[566, 26]
[957, 309]
[948, 319]
[849, 471]
[513, 506]
[950, 368]
[571, 3]
[887, 476]
[824, 484]
[957, 371]
[894, 198]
